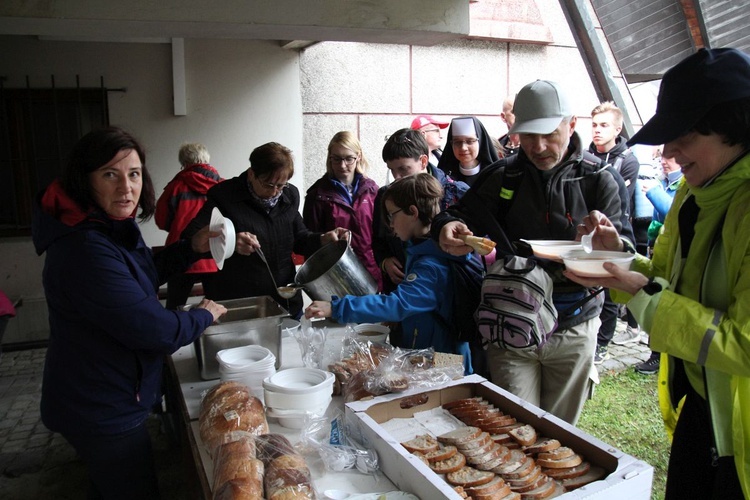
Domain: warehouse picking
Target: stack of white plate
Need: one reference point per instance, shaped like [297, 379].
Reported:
[292, 394]
[249, 364]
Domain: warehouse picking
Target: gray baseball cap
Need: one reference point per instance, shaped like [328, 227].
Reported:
[540, 106]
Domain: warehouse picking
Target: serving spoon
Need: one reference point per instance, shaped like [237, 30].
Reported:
[586, 242]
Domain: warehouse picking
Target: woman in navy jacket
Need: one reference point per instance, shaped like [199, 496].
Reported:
[108, 331]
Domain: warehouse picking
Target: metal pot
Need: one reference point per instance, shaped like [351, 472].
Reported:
[335, 270]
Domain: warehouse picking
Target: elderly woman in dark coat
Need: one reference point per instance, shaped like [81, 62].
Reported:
[264, 209]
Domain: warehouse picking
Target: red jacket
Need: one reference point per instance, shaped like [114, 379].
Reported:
[180, 202]
[326, 209]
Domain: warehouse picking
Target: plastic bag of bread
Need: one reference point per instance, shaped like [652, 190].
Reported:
[227, 407]
[238, 475]
[287, 475]
[359, 356]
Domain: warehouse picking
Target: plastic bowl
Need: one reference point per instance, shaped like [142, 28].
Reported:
[249, 357]
[373, 332]
[591, 265]
[298, 402]
[295, 419]
[299, 381]
[553, 249]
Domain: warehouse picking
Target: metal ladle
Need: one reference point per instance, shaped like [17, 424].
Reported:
[286, 292]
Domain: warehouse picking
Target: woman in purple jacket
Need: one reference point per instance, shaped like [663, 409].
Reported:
[344, 197]
[109, 333]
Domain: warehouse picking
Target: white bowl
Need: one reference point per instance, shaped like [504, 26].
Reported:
[294, 419]
[297, 402]
[299, 381]
[591, 264]
[553, 249]
[374, 332]
[245, 358]
[222, 247]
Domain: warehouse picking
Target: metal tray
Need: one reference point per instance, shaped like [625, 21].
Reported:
[248, 321]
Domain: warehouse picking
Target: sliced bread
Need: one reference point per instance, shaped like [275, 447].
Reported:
[424, 443]
[557, 453]
[561, 463]
[542, 445]
[460, 436]
[568, 473]
[468, 477]
[594, 474]
[452, 464]
[524, 435]
[441, 454]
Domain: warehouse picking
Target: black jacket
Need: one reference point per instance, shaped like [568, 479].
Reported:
[550, 210]
[280, 232]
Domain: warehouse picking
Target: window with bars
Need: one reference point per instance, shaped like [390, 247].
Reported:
[38, 128]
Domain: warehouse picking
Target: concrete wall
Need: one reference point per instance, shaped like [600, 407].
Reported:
[375, 89]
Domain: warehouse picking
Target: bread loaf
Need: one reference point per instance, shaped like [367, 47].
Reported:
[229, 407]
[287, 476]
[238, 475]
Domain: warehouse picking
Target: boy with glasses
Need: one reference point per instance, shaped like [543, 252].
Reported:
[409, 204]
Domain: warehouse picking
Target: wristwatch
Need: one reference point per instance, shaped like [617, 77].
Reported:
[652, 287]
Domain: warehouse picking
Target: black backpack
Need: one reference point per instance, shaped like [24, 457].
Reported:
[467, 285]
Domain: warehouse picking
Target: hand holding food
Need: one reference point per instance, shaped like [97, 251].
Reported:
[482, 246]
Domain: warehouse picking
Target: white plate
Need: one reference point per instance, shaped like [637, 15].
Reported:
[553, 249]
[222, 247]
[591, 265]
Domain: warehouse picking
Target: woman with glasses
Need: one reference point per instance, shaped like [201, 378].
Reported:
[468, 150]
[344, 197]
[264, 209]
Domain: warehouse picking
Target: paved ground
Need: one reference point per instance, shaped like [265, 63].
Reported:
[37, 464]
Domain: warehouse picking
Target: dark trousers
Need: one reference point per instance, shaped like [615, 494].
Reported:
[608, 317]
[691, 473]
[120, 466]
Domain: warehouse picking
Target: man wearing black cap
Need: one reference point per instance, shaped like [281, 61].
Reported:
[558, 183]
[693, 296]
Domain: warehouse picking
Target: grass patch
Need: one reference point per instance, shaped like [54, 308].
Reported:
[624, 412]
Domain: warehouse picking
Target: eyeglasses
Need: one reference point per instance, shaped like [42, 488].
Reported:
[424, 132]
[457, 143]
[275, 187]
[349, 160]
[389, 215]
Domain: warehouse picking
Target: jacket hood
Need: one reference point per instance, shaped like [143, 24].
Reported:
[619, 148]
[56, 215]
[199, 177]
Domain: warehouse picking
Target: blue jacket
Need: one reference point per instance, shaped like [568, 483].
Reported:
[427, 287]
[109, 334]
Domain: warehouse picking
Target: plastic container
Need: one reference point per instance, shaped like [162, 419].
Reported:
[592, 264]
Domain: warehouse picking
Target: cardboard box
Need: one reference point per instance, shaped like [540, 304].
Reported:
[628, 479]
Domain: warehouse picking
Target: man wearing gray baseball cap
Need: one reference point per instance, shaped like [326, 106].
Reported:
[693, 295]
[543, 193]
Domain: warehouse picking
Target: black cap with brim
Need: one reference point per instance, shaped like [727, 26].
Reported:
[691, 88]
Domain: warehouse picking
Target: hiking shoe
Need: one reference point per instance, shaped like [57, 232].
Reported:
[629, 336]
[648, 367]
[601, 354]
